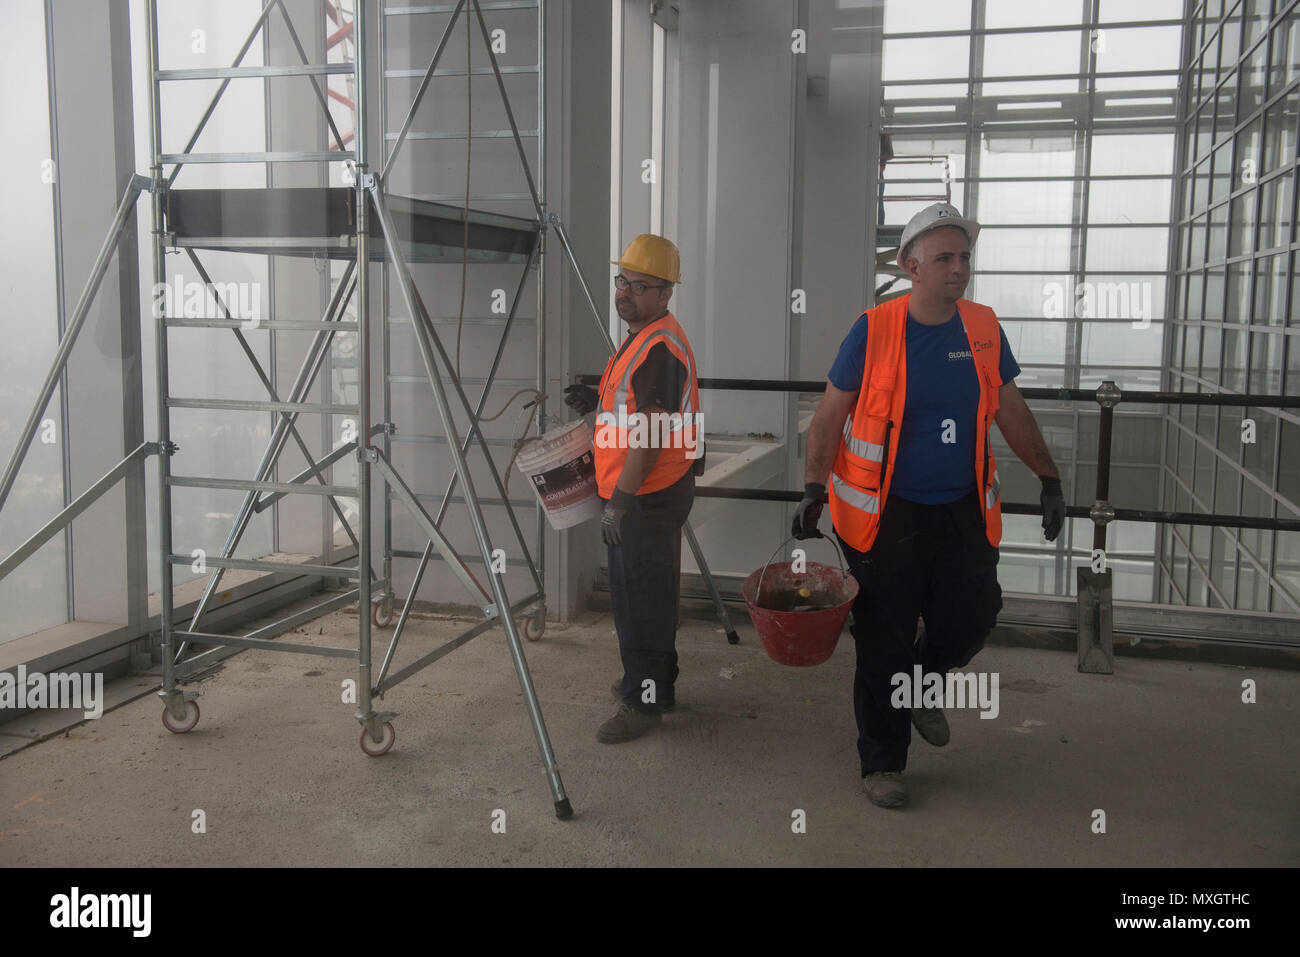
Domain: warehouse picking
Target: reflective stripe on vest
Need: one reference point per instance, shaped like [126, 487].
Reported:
[615, 422]
[860, 500]
[991, 494]
[861, 447]
[864, 462]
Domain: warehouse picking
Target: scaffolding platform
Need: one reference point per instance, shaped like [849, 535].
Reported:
[320, 222]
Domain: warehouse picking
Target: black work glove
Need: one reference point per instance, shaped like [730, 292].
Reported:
[611, 519]
[1053, 502]
[809, 511]
[581, 398]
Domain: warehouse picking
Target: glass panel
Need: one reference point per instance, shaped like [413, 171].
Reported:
[1252, 77]
[1295, 301]
[1288, 478]
[1211, 340]
[1194, 306]
[1252, 588]
[1038, 342]
[1192, 350]
[903, 17]
[926, 59]
[1046, 203]
[1134, 201]
[1141, 48]
[1275, 218]
[1205, 131]
[1118, 344]
[1218, 233]
[1237, 307]
[1196, 241]
[1132, 154]
[1129, 248]
[1017, 249]
[1029, 54]
[1025, 156]
[1286, 44]
[1024, 297]
[1241, 230]
[1222, 178]
[1279, 133]
[1118, 10]
[1229, 43]
[1223, 563]
[1135, 298]
[1270, 291]
[34, 596]
[1257, 456]
[1255, 503]
[1016, 13]
[1266, 362]
[1286, 569]
[1234, 360]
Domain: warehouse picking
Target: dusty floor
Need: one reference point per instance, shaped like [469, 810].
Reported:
[1185, 772]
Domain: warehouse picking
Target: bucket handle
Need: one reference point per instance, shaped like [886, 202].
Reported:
[758, 589]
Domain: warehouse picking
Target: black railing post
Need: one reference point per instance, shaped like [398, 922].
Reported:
[1096, 634]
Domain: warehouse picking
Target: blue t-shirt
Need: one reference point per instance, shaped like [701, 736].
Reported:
[935, 463]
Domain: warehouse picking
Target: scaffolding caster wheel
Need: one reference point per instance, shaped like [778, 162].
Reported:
[534, 628]
[180, 727]
[383, 746]
[381, 612]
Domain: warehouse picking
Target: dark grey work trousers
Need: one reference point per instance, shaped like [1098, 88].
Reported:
[644, 579]
[932, 562]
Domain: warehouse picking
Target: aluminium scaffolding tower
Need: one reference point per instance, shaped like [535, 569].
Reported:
[355, 226]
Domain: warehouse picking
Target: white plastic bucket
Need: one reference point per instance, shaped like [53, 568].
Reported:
[561, 467]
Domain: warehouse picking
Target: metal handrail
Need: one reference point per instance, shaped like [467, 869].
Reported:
[1101, 512]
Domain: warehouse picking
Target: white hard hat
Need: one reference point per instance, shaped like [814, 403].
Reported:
[932, 217]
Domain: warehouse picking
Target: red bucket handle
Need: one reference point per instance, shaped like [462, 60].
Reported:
[758, 588]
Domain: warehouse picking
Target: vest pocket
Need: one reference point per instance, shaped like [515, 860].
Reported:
[880, 396]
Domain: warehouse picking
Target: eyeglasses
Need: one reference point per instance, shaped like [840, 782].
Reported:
[638, 288]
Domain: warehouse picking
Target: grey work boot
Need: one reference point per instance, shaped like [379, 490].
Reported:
[886, 788]
[931, 724]
[627, 723]
[618, 696]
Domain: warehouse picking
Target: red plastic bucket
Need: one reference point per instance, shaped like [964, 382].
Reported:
[799, 638]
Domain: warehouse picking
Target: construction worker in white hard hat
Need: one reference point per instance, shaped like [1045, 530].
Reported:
[902, 437]
[648, 440]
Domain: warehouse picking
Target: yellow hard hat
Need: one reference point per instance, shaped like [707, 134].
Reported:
[652, 255]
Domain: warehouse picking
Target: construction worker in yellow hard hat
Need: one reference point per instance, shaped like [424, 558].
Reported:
[648, 434]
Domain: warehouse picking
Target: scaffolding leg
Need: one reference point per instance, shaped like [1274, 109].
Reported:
[718, 606]
[425, 338]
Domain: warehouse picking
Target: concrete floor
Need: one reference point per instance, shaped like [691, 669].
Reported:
[1186, 774]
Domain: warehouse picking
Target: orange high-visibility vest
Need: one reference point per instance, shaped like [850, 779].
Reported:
[864, 462]
[616, 428]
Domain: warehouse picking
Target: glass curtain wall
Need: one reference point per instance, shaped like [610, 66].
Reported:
[35, 595]
[1237, 315]
[1054, 126]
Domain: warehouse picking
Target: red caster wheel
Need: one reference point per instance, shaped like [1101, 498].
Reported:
[381, 618]
[383, 746]
[532, 630]
[191, 718]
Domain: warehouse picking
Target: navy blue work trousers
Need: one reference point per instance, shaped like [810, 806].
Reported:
[930, 562]
[644, 580]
